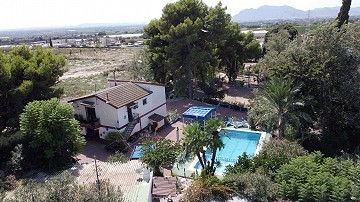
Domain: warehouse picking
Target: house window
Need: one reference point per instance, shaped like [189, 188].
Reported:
[145, 101]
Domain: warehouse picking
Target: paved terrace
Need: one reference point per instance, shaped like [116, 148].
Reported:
[182, 104]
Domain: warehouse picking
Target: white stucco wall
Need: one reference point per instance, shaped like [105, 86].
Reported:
[157, 99]
[111, 117]
[105, 112]
[80, 109]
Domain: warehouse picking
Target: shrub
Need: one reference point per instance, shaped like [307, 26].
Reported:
[118, 157]
[15, 162]
[10, 182]
[112, 136]
[117, 143]
[159, 152]
[198, 192]
[274, 154]
[315, 178]
[7, 182]
[52, 134]
[256, 186]
[120, 146]
[244, 164]
[63, 188]
[277, 153]
[208, 188]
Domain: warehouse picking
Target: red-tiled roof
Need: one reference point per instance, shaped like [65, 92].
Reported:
[140, 82]
[119, 95]
[164, 186]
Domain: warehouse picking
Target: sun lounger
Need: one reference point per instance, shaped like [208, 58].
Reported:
[241, 124]
[229, 122]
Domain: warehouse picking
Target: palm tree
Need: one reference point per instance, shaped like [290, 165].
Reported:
[213, 127]
[195, 140]
[274, 106]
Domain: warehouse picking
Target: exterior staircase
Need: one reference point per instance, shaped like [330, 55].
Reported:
[129, 128]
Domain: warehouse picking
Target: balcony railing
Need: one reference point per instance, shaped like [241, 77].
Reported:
[93, 124]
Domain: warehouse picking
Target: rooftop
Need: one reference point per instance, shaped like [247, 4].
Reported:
[123, 175]
[164, 186]
[198, 112]
[119, 95]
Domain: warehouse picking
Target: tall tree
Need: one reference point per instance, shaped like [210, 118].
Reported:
[325, 66]
[284, 28]
[213, 128]
[139, 67]
[27, 75]
[343, 16]
[197, 138]
[51, 132]
[274, 106]
[183, 43]
[237, 48]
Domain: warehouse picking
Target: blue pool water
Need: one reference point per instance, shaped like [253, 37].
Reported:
[236, 143]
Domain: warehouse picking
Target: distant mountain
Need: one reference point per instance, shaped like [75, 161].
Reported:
[266, 13]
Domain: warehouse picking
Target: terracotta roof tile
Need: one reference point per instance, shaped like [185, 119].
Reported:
[119, 95]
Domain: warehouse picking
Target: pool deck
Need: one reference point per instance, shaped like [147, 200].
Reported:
[186, 169]
[182, 104]
[170, 132]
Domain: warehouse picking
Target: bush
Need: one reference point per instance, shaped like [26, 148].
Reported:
[118, 157]
[277, 153]
[63, 188]
[208, 188]
[112, 136]
[120, 146]
[52, 134]
[15, 162]
[315, 178]
[7, 182]
[10, 182]
[273, 155]
[244, 164]
[116, 142]
[256, 186]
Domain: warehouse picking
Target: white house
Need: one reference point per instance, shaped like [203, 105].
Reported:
[126, 106]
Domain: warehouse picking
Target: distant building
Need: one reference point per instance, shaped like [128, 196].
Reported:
[258, 34]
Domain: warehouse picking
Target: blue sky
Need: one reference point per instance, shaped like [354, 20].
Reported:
[44, 13]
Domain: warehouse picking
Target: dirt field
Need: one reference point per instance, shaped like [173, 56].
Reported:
[87, 69]
[88, 61]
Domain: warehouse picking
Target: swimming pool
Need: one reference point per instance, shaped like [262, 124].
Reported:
[236, 143]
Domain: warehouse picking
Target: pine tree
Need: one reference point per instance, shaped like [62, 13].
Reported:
[343, 16]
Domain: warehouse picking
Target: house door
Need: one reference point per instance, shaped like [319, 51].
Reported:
[130, 115]
[90, 114]
[92, 134]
